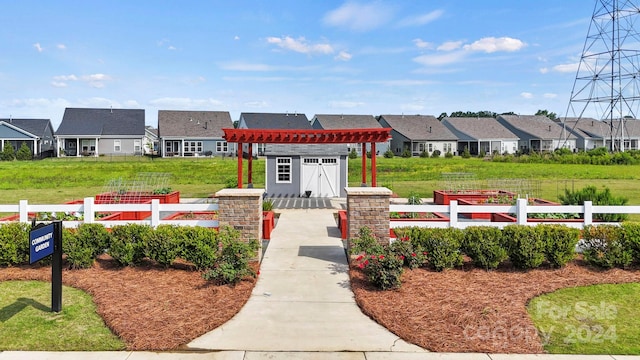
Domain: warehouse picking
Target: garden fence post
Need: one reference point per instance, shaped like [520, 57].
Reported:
[588, 213]
[89, 210]
[521, 208]
[155, 213]
[453, 213]
[24, 211]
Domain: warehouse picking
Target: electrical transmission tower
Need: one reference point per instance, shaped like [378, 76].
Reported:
[606, 83]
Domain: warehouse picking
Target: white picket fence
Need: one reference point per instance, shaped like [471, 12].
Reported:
[521, 209]
[89, 209]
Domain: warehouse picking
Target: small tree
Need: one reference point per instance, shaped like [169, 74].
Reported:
[466, 154]
[353, 154]
[406, 153]
[8, 153]
[24, 153]
[388, 154]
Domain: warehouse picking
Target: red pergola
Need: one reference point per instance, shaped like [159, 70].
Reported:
[299, 136]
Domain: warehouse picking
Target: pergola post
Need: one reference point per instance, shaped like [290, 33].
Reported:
[250, 167]
[364, 164]
[239, 165]
[374, 182]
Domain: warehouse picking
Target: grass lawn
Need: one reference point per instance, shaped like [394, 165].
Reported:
[598, 319]
[25, 309]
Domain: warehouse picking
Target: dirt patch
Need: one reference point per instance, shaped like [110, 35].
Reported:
[472, 310]
[150, 307]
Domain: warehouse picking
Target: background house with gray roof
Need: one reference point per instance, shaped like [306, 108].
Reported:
[37, 134]
[93, 132]
[481, 135]
[194, 133]
[590, 133]
[418, 133]
[538, 133]
[345, 122]
[271, 121]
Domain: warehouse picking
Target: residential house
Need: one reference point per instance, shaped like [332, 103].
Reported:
[37, 134]
[538, 133]
[418, 133]
[194, 133]
[345, 122]
[482, 135]
[590, 133]
[295, 170]
[94, 132]
[271, 121]
[151, 143]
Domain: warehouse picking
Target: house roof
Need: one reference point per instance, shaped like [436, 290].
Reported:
[35, 127]
[540, 127]
[586, 127]
[419, 127]
[275, 121]
[325, 121]
[193, 124]
[101, 122]
[467, 128]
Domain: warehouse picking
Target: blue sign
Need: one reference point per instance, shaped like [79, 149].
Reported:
[41, 243]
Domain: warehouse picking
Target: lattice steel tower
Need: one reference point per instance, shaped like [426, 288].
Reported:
[608, 74]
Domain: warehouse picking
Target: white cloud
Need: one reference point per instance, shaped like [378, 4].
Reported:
[492, 44]
[171, 47]
[61, 47]
[422, 44]
[404, 82]
[421, 19]
[236, 37]
[544, 70]
[256, 104]
[449, 46]
[300, 45]
[131, 104]
[94, 80]
[38, 47]
[242, 66]
[566, 68]
[440, 59]
[58, 84]
[343, 56]
[65, 78]
[345, 104]
[550, 95]
[526, 95]
[359, 17]
[184, 103]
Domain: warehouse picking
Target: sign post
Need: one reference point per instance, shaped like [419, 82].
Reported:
[45, 240]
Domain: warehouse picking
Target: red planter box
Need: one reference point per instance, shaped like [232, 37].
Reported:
[443, 197]
[268, 223]
[133, 198]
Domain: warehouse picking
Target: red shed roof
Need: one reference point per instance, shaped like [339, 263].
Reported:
[304, 136]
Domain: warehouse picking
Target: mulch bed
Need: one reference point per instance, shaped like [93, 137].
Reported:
[473, 310]
[150, 307]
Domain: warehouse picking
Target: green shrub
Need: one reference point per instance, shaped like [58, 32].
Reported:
[24, 153]
[631, 237]
[411, 255]
[604, 246]
[94, 236]
[414, 198]
[591, 193]
[353, 154]
[231, 183]
[365, 243]
[267, 205]
[524, 246]
[8, 152]
[383, 270]
[199, 246]
[14, 243]
[388, 154]
[232, 263]
[162, 245]
[561, 243]
[448, 155]
[424, 154]
[406, 153]
[441, 245]
[465, 153]
[80, 254]
[436, 153]
[483, 244]
[128, 242]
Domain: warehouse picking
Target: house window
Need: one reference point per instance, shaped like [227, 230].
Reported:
[193, 147]
[222, 147]
[117, 146]
[430, 147]
[447, 147]
[311, 161]
[283, 170]
[137, 146]
[88, 145]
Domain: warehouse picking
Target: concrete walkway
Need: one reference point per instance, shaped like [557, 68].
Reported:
[303, 301]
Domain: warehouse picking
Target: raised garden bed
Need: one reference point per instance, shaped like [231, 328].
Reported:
[444, 197]
[193, 215]
[137, 198]
[499, 200]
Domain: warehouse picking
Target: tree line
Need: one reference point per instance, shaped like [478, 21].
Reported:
[491, 114]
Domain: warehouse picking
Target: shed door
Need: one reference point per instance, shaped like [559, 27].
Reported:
[320, 176]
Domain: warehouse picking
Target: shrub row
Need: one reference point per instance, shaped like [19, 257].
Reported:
[220, 254]
[527, 247]
[599, 156]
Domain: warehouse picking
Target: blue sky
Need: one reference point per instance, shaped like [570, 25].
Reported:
[312, 57]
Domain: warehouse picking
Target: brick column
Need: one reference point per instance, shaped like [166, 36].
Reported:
[368, 206]
[242, 210]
